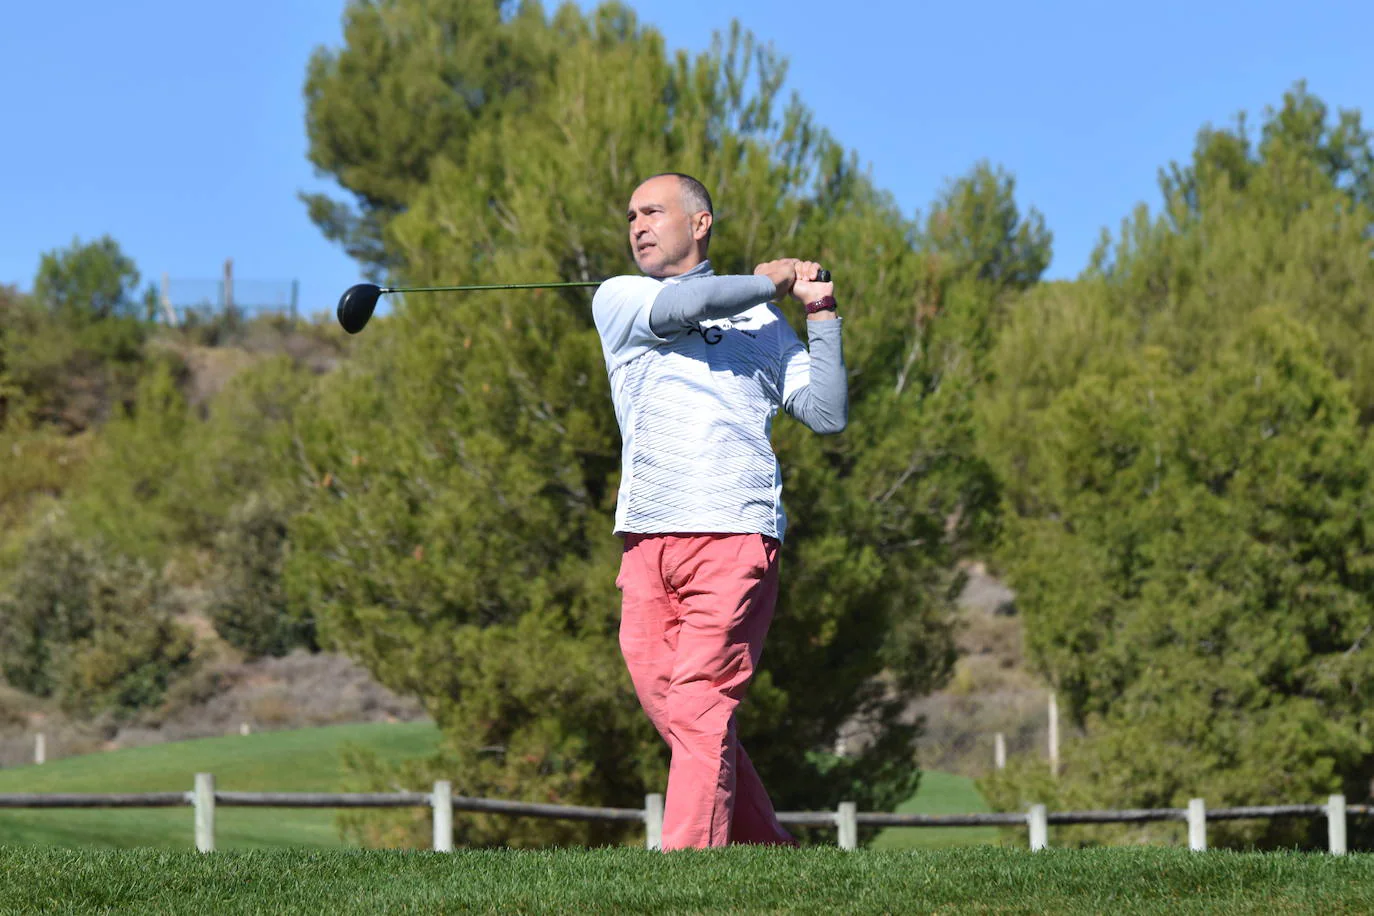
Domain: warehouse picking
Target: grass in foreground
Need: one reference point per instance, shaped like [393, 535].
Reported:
[737, 880]
[306, 760]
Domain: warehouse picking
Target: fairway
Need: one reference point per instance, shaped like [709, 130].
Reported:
[939, 793]
[738, 880]
[289, 761]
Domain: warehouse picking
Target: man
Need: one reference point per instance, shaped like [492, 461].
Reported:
[699, 365]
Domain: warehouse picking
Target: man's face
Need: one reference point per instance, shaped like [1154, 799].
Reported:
[664, 236]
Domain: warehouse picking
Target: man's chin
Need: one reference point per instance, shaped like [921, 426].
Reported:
[652, 268]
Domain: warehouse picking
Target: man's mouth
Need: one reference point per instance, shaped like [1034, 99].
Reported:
[643, 247]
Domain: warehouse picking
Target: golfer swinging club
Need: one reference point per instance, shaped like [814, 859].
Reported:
[699, 364]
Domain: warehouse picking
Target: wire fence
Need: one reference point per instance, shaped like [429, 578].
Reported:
[189, 297]
[183, 300]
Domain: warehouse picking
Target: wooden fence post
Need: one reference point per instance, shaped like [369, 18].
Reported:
[166, 299]
[228, 286]
[203, 798]
[1197, 825]
[1335, 824]
[1039, 828]
[40, 748]
[653, 821]
[846, 819]
[999, 750]
[441, 804]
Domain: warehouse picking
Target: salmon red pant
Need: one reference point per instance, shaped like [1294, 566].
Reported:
[694, 614]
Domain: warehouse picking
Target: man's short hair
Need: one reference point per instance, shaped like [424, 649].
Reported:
[694, 193]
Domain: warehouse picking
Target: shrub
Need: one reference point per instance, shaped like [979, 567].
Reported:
[89, 627]
[248, 603]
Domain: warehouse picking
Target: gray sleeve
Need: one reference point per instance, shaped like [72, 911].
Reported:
[820, 396]
[680, 305]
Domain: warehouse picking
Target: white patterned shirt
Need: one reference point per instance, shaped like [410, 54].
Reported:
[696, 409]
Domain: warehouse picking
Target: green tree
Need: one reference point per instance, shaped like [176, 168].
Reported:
[248, 599]
[457, 537]
[91, 282]
[1284, 220]
[1198, 586]
[40, 462]
[135, 649]
[12, 306]
[411, 84]
[43, 611]
[74, 352]
[89, 627]
[129, 498]
[167, 477]
[978, 229]
[1181, 443]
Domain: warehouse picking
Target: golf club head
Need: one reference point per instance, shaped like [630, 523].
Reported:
[356, 306]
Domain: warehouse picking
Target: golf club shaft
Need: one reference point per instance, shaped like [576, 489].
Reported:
[463, 289]
[825, 276]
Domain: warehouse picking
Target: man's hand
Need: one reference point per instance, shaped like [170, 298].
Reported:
[805, 289]
[782, 272]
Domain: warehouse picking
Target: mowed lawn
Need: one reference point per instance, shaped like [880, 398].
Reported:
[736, 880]
[306, 760]
[309, 760]
[939, 793]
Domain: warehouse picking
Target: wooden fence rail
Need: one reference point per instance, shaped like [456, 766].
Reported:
[140, 800]
[204, 798]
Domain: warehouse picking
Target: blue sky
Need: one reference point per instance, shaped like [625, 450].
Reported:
[178, 128]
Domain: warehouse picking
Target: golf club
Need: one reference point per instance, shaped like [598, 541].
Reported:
[357, 304]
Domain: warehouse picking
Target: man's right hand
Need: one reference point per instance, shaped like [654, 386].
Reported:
[783, 273]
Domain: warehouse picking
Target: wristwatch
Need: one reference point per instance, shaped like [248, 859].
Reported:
[825, 303]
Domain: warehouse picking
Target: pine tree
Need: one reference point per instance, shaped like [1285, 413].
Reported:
[458, 536]
[1179, 436]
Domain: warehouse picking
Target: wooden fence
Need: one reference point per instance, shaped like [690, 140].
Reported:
[846, 819]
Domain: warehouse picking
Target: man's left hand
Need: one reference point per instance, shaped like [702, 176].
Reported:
[807, 289]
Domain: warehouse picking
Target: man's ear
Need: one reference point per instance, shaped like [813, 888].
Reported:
[701, 225]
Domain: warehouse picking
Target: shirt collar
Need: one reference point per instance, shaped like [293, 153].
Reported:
[703, 269]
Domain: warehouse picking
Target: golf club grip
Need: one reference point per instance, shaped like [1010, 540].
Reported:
[823, 276]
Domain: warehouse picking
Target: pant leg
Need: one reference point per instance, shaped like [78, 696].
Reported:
[754, 820]
[725, 586]
[648, 625]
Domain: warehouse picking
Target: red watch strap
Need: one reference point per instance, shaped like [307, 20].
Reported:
[822, 304]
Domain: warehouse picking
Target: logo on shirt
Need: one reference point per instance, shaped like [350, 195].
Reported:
[714, 334]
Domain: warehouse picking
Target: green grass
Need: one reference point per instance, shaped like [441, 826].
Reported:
[939, 793]
[293, 761]
[737, 880]
[309, 760]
